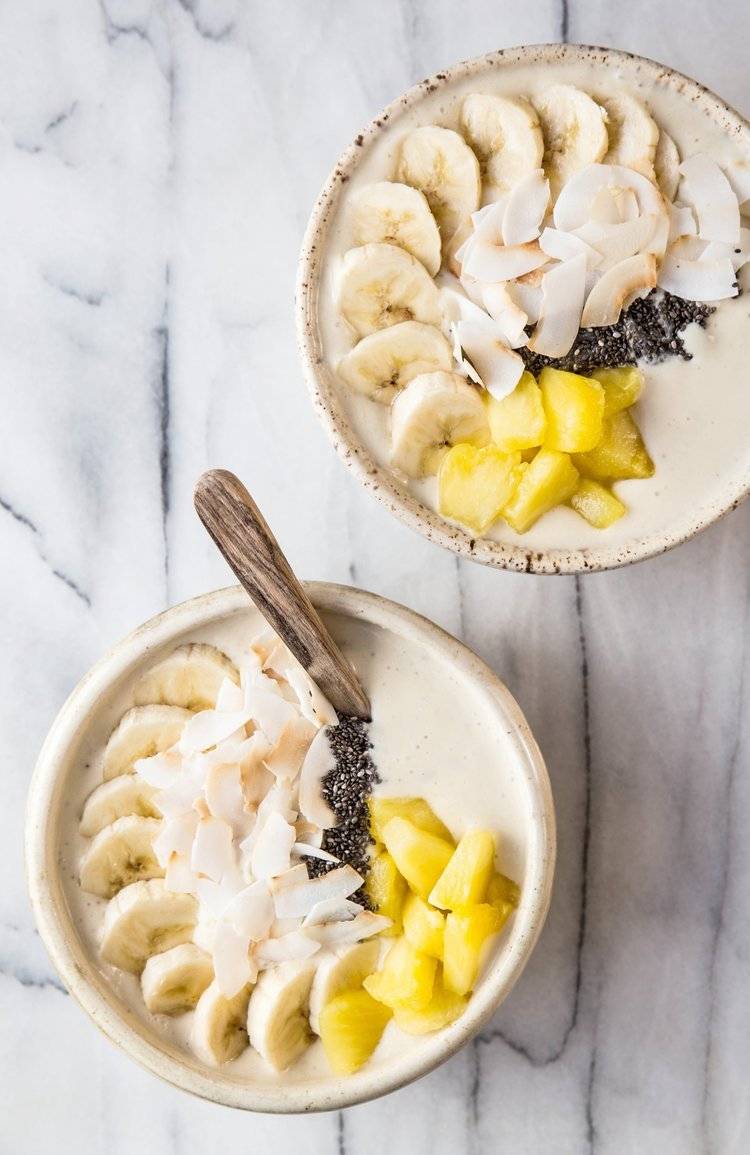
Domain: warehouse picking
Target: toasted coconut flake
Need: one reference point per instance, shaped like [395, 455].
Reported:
[318, 762]
[625, 281]
[488, 221]
[288, 948]
[573, 206]
[510, 317]
[267, 707]
[525, 209]
[180, 797]
[564, 246]
[456, 306]
[707, 189]
[232, 966]
[611, 206]
[527, 297]
[161, 770]
[498, 366]
[272, 848]
[490, 263]
[332, 910]
[739, 254]
[307, 850]
[251, 912]
[179, 876]
[309, 832]
[563, 289]
[682, 222]
[615, 243]
[210, 727]
[365, 925]
[698, 280]
[287, 756]
[230, 698]
[314, 705]
[175, 837]
[225, 798]
[213, 852]
[298, 899]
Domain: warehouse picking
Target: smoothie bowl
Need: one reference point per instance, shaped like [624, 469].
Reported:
[271, 906]
[521, 311]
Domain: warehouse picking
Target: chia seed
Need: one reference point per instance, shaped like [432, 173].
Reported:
[649, 330]
[346, 789]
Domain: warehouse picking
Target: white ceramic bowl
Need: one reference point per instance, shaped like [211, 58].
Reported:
[667, 509]
[524, 782]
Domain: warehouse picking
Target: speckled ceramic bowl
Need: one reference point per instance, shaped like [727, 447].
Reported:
[662, 514]
[523, 786]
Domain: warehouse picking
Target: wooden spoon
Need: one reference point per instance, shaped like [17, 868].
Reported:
[239, 529]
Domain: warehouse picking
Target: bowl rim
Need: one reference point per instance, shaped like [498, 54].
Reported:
[93, 991]
[320, 380]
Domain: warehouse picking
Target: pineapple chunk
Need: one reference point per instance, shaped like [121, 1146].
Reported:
[465, 935]
[386, 890]
[407, 977]
[420, 856]
[619, 455]
[574, 407]
[474, 484]
[464, 881]
[415, 809]
[549, 480]
[597, 505]
[622, 387]
[517, 422]
[351, 1026]
[503, 891]
[442, 1009]
[424, 926]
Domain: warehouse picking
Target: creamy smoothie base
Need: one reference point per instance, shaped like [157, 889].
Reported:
[692, 413]
[421, 748]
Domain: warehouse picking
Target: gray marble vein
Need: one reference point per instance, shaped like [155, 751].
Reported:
[159, 159]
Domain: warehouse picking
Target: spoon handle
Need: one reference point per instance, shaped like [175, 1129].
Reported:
[240, 531]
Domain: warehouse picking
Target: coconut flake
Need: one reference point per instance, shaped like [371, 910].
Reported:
[365, 925]
[489, 263]
[739, 254]
[706, 187]
[577, 196]
[318, 762]
[161, 770]
[267, 707]
[298, 899]
[527, 297]
[230, 698]
[525, 209]
[175, 836]
[737, 173]
[209, 727]
[509, 316]
[563, 289]
[213, 853]
[681, 222]
[289, 948]
[499, 368]
[180, 797]
[564, 246]
[232, 965]
[225, 798]
[251, 911]
[270, 854]
[698, 280]
[179, 877]
[287, 756]
[615, 243]
[307, 850]
[332, 910]
[625, 281]
[488, 222]
[314, 705]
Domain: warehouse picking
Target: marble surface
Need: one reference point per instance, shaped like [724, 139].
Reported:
[158, 159]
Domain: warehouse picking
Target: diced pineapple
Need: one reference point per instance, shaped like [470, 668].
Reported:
[351, 1026]
[420, 856]
[596, 504]
[474, 484]
[386, 890]
[407, 977]
[622, 387]
[443, 1008]
[574, 407]
[619, 455]
[517, 422]
[416, 810]
[503, 891]
[424, 926]
[549, 480]
[464, 881]
[465, 935]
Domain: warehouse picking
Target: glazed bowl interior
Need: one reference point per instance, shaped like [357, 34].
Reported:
[694, 427]
[360, 622]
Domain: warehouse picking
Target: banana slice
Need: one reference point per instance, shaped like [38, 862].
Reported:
[380, 365]
[190, 676]
[277, 1017]
[145, 919]
[506, 136]
[174, 981]
[381, 285]
[341, 970]
[142, 732]
[432, 413]
[632, 133]
[400, 215]
[120, 854]
[573, 126]
[123, 795]
[219, 1031]
[440, 163]
[667, 165]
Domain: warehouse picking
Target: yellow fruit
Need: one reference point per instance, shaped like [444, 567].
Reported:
[351, 1026]
[474, 484]
[549, 480]
[386, 889]
[415, 809]
[574, 407]
[622, 387]
[517, 422]
[597, 505]
[407, 977]
[465, 935]
[442, 1009]
[503, 891]
[464, 881]
[420, 856]
[619, 455]
[423, 926]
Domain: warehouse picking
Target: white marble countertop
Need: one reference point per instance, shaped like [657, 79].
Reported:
[158, 161]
